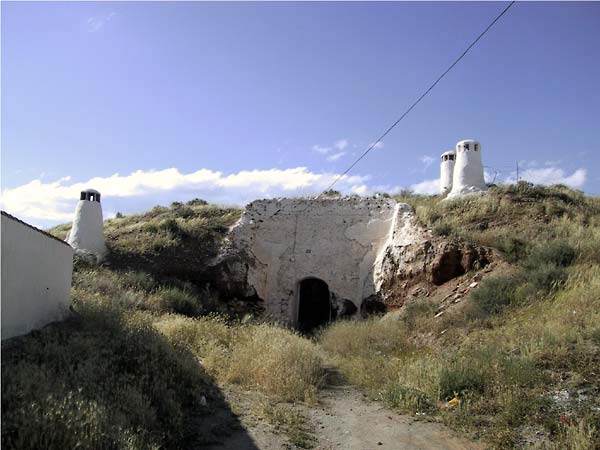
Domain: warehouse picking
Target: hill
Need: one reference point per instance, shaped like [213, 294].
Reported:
[508, 355]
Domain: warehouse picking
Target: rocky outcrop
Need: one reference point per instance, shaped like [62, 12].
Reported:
[415, 261]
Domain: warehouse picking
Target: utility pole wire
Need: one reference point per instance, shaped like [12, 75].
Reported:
[340, 176]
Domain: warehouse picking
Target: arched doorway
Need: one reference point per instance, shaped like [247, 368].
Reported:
[314, 304]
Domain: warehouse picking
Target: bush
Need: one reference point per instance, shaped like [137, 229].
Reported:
[197, 202]
[405, 398]
[149, 227]
[557, 252]
[463, 376]
[493, 295]
[170, 225]
[513, 248]
[442, 229]
[175, 300]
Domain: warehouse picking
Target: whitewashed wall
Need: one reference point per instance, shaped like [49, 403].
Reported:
[336, 240]
[36, 278]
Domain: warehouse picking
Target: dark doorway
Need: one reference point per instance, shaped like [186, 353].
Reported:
[314, 305]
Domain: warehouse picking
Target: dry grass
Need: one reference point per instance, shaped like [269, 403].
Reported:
[274, 360]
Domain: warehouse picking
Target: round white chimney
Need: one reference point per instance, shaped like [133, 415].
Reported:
[468, 169]
[87, 232]
[447, 171]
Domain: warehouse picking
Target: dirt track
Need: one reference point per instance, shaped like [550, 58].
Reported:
[345, 419]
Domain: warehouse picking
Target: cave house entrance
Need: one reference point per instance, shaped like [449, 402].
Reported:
[314, 304]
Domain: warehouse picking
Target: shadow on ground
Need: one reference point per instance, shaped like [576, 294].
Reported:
[106, 379]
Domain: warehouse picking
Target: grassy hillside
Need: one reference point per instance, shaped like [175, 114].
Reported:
[522, 356]
[172, 241]
[144, 362]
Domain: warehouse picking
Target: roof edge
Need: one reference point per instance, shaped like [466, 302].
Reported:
[10, 216]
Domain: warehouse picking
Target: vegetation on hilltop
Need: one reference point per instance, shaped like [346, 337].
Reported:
[172, 241]
[523, 356]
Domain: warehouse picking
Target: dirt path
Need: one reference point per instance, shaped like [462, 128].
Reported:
[344, 419]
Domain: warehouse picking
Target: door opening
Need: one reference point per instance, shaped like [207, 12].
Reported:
[314, 304]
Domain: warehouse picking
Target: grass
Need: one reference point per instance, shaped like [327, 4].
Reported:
[265, 357]
[524, 336]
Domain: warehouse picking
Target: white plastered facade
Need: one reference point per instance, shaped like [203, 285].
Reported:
[338, 240]
[36, 278]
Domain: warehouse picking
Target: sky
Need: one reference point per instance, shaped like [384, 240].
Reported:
[151, 103]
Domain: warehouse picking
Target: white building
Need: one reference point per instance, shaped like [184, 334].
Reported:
[447, 171]
[468, 169]
[87, 232]
[36, 277]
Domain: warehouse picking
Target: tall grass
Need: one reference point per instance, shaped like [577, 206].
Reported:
[104, 380]
[271, 359]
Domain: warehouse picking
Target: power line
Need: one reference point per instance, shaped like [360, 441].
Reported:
[372, 146]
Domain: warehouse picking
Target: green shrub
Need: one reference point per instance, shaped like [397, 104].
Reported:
[462, 376]
[175, 300]
[442, 229]
[415, 313]
[170, 225]
[406, 398]
[556, 252]
[197, 202]
[514, 249]
[149, 227]
[493, 295]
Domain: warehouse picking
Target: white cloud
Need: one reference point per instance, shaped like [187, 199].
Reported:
[550, 175]
[320, 149]
[341, 144]
[427, 161]
[378, 145]
[335, 156]
[48, 203]
[95, 23]
[428, 187]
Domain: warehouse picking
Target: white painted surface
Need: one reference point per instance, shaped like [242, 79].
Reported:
[36, 278]
[468, 169]
[447, 171]
[87, 233]
[338, 240]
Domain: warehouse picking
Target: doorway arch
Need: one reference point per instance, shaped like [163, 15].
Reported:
[314, 304]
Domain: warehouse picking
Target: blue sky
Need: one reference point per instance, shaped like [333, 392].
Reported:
[155, 102]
